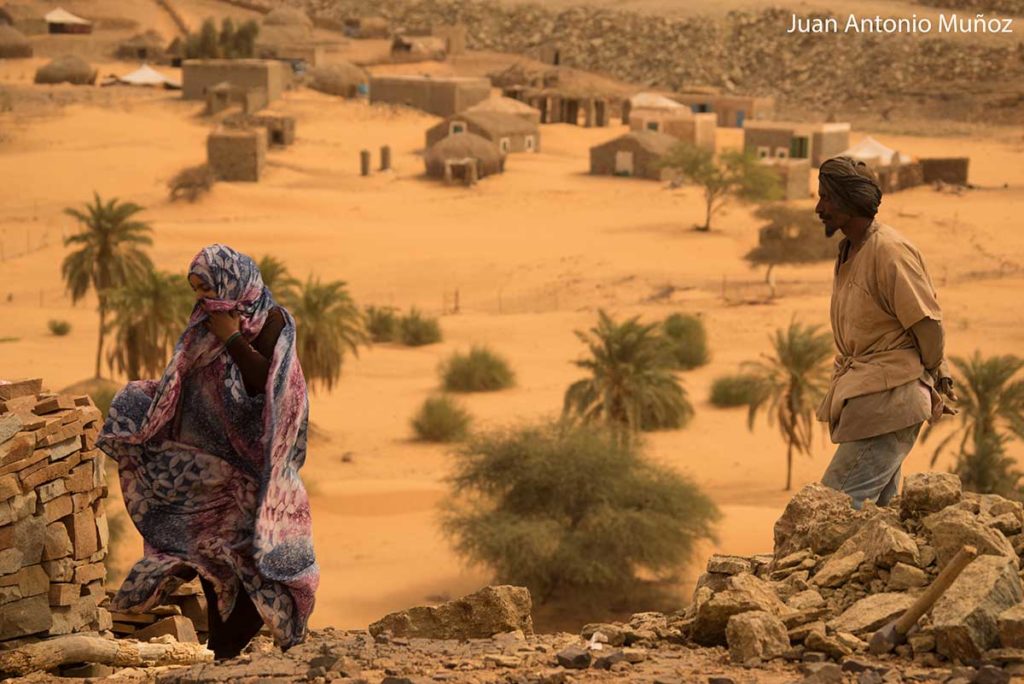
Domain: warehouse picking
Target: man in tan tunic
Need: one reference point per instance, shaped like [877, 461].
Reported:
[890, 375]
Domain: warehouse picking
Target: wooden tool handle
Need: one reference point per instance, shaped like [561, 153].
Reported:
[925, 601]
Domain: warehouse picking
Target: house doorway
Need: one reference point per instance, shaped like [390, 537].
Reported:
[623, 163]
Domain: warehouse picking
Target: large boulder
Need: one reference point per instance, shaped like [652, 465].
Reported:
[883, 543]
[953, 528]
[818, 518]
[927, 493]
[965, 619]
[745, 593]
[871, 612]
[756, 634]
[481, 615]
[1011, 627]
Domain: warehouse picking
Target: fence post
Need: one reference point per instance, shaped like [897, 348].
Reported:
[364, 162]
[385, 157]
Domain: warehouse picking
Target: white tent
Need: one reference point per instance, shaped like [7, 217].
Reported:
[62, 16]
[145, 76]
[871, 151]
[654, 101]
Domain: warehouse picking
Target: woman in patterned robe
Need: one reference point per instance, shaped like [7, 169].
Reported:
[209, 456]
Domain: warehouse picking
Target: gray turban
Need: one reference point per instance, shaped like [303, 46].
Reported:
[852, 184]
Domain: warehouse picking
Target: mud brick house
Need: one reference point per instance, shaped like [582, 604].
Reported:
[733, 111]
[441, 96]
[237, 155]
[509, 132]
[815, 142]
[637, 153]
[694, 129]
[794, 175]
[198, 76]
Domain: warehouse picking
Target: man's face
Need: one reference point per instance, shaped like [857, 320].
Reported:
[828, 210]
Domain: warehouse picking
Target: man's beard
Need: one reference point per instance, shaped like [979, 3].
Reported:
[830, 230]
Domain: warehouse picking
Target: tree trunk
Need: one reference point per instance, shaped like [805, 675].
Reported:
[789, 466]
[46, 655]
[770, 279]
[707, 214]
[103, 332]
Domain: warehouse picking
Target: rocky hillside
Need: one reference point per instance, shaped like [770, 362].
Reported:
[745, 52]
[1005, 7]
[805, 613]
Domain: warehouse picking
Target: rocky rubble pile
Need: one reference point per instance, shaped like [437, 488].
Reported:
[53, 530]
[838, 575]
[743, 52]
[184, 617]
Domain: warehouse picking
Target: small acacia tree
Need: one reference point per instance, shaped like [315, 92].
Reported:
[791, 236]
[572, 512]
[732, 173]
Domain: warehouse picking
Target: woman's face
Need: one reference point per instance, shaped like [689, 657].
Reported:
[202, 292]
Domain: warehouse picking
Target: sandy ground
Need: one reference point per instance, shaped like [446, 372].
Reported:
[533, 254]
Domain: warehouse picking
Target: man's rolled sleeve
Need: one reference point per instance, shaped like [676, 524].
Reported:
[906, 288]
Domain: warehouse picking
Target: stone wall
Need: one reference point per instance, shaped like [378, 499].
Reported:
[53, 529]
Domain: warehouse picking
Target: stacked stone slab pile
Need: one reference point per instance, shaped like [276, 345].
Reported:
[183, 616]
[838, 575]
[53, 529]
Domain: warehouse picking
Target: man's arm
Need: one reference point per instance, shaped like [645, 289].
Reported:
[930, 340]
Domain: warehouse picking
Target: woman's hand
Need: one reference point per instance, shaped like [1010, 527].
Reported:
[223, 324]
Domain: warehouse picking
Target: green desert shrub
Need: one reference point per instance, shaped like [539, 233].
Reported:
[441, 419]
[58, 328]
[416, 330]
[382, 323]
[191, 183]
[573, 512]
[481, 370]
[740, 389]
[687, 340]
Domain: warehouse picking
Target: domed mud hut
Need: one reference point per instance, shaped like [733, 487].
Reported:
[343, 79]
[13, 43]
[450, 157]
[67, 69]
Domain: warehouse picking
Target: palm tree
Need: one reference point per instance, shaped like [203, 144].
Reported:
[794, 381]
[108, 254]
[631, 386]
[277, 279]
[149, 315]
[327, 323]
[991, 414]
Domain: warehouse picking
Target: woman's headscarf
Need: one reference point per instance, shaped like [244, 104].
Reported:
[852, 184]
[236, 279]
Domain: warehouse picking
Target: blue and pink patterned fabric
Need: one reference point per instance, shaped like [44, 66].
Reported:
[210, 474]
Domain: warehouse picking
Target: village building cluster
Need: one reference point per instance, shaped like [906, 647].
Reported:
[500, 115]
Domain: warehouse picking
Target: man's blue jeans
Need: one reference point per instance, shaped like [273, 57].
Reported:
[870, 469]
